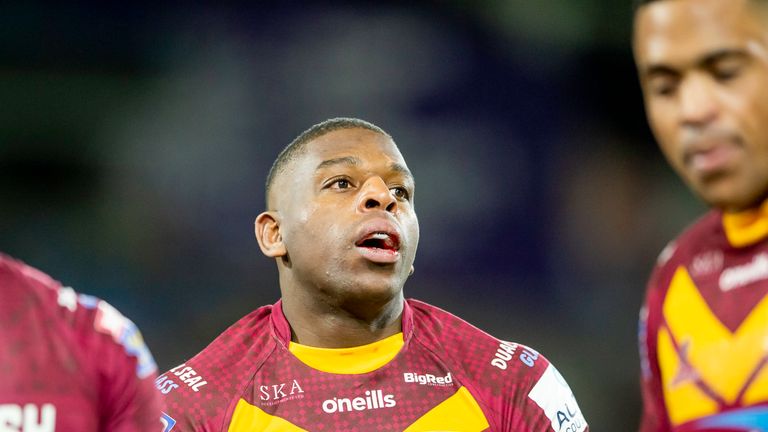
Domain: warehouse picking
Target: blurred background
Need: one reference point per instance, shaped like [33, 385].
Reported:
[135, 140]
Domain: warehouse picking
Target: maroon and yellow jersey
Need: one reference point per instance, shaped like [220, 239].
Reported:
[439, 374]
[69, 362]
[704, 328]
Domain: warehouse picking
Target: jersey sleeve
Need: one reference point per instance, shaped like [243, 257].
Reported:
[654, 414]
[199, 394]
[189, 405]
[538, 398]
[126, 369]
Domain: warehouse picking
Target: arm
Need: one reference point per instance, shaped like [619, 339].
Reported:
[534, 397]
[554, 406]
[654, 416]
[128, 401]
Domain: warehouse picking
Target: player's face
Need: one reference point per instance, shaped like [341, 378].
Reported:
[347, 216]
[703, 68]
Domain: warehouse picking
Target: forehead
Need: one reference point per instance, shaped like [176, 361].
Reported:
[672, 31]
[367, 146]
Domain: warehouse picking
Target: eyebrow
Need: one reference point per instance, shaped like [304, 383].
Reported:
[346, 160]
[354, 161]
[706, 60]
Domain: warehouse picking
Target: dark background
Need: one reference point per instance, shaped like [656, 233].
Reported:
[135, 140]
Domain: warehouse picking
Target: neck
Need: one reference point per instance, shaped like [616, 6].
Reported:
[341, 323]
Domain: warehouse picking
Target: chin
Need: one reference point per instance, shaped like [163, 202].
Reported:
[730, 201]
[376, 292]
[727, 192]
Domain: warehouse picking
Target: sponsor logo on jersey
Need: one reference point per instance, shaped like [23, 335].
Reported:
[642, 339]
[552, 394]
[277, 393]
[666, 253]
[739, 276]
[507, 350]
[165, 384]
[27, 418]
[753, 419]
[188, 376]
[428, 379]
[67, 298]
[707, 263]
[110, 321]
[373, 399]
[167, 421]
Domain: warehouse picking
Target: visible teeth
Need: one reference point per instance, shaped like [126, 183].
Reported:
[380, 236]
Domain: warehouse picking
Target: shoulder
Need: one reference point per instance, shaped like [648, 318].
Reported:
[522, 389]
[704, 234]
[22, 282]
[464, 344]
[88, 324]
[705, 231]
[70, 338]
[199, 392]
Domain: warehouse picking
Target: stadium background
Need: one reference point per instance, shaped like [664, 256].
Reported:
[135, 139]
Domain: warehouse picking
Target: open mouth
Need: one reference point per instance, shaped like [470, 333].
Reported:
[380, 240]
[380, 247]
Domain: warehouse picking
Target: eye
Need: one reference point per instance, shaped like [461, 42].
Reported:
[727, 66]
[339, 183]
[724, 73]
[663, 86]
[400, 193]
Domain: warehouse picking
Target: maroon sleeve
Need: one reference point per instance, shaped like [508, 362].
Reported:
[537, 399]
[654, 416]
[201, 393]
[128, 401]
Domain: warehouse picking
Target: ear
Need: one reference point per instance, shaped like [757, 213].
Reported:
[267, 228]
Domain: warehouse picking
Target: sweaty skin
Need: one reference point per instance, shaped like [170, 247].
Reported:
[350, 185]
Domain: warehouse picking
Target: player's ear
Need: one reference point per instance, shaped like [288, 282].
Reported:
[267, 228]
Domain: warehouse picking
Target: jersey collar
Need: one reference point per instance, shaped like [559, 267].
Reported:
[747, 227]
[353, 360]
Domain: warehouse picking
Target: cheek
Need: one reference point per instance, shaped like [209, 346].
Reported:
[413, 232]
[755, 118]
[664, 127]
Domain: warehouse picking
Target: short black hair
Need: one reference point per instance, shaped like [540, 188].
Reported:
[299, 144]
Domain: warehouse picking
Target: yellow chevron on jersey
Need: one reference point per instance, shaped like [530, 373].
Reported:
[460, 412]
[250, 418]
[721, 359]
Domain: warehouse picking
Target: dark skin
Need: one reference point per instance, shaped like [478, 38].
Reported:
[343, 231]
[703, 68]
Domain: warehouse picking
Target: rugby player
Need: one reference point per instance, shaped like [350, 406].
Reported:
[703, 68]
[343, 350]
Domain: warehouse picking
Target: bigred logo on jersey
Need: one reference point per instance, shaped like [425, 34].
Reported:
[428, 379]
[27, 418]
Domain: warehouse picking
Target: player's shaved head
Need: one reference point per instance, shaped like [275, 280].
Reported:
[298, 146]
[640, 3]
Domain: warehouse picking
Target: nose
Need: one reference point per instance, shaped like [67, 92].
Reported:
[698, 101]
[375, 195]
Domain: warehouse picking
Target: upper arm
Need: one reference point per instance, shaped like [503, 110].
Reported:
[128, 401]
[654, 414]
